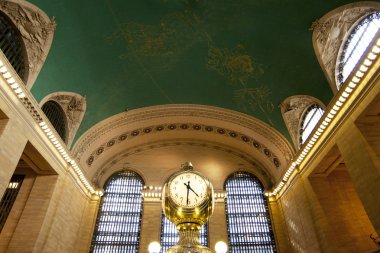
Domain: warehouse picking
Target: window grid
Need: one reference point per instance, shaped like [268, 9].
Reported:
[169, 234]
[118, 223]
[248, 221]
[57, 117]
[11, 45]
[357, 43]
[310, 119]
[9, 198]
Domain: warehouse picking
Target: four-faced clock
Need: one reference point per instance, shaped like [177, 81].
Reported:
[188, 190]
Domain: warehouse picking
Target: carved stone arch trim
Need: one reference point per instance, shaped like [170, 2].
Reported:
[330, 32]
[107, 175]
[292, 110]
[37, 31]
[163, 123]
[74, 107]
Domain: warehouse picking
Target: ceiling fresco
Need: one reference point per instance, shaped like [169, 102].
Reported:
[241, 55]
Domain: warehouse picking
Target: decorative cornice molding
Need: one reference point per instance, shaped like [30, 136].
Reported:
[111, 165]
[331, 30]
[193, 114]
[36, 30]
[156, 129]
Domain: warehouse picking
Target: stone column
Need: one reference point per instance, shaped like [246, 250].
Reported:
[12, 144]
[217, 225]
[363, 166]
[151, 224]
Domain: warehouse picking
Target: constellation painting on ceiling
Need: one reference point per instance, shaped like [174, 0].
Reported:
[168, 41]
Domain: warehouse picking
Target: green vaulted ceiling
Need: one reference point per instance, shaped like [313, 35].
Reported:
[246, 56]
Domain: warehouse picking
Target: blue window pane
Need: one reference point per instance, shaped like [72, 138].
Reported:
[118, 223]
[356, 44]
[248, 221]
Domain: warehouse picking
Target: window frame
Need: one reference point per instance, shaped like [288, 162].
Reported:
[239, 236]
[351, 35]
[110, 212]
[302, 121]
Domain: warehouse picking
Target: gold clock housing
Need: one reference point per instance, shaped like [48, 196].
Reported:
[187, 198]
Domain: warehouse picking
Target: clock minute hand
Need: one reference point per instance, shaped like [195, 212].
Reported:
[193, 191]
[187, 193]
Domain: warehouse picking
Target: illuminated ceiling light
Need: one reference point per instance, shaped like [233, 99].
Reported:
[371, 56]
[3, 69]
[18, 90]
[338, 103]
[345, 94]
[330, 116]
[355, 79]
[348, 90]
[11, 80]
[322, 127]
[363, 68]
[21, 95]
[314, 139]
[342, 99]
[336, 108]
[7, 75]
[367, 62]
[351, 84]
[376, 49]
[332, 111]
[42, 123]
[359, 74]
[325, 123]
[15, 86]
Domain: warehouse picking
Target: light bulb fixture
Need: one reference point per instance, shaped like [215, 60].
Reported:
[154, 247]
[221, 247]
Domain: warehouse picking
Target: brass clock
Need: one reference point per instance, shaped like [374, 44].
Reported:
[188, 189]
[187, 201]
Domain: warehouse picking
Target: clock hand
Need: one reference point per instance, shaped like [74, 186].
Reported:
[193, 191]
[187, 196]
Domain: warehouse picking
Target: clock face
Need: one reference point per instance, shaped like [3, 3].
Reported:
[188, 189]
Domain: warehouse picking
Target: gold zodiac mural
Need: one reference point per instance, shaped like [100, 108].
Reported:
[180, 30]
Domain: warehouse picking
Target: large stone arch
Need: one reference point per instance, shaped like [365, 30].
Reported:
[330, 31]
[222, 138]
[37, 31]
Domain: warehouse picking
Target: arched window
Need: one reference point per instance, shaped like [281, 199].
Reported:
[12, 45]
[118, 223]
[169, 234]
[248, 220]
[310, 119]
[362, 35]
[56, 116]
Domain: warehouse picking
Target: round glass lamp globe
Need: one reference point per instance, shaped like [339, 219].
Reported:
[221, 247]
[154, 247]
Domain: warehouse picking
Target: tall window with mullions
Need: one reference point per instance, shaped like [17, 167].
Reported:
[248, 220]
[118, 223]
[12, 46]
[169, 234]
